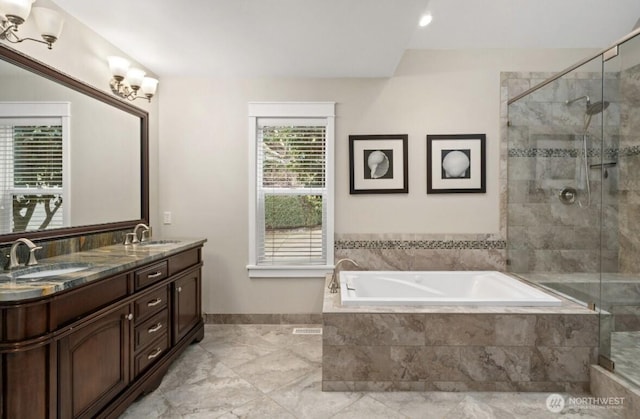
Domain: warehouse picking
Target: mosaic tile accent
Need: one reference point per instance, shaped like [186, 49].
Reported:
[610, 153]
[420, 244]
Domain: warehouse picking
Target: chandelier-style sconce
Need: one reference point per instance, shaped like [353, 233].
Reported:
[126, 81]
[14, 13]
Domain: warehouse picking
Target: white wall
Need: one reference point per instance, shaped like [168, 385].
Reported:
[204, 157]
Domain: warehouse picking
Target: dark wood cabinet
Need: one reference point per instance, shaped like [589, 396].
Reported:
[94, 364]
[186, 304]
[92, 350]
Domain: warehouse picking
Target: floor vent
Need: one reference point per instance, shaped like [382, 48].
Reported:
[307, 330]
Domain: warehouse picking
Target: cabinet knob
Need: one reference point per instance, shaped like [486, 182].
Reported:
[179, 289]
[129, 316]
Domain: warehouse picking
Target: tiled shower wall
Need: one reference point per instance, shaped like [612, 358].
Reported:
[544, 145]
[629, 171]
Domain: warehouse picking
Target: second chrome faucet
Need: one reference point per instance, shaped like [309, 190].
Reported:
[133, 238]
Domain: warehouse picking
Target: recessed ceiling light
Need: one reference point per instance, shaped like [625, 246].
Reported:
[425, 20]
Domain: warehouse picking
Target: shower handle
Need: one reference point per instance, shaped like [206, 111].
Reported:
[568, 195]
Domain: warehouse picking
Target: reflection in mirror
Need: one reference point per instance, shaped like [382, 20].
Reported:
[68, 159]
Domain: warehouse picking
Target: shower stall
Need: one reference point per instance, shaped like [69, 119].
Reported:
[573, 198]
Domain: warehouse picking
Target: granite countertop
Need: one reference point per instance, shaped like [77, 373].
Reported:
[94, 264]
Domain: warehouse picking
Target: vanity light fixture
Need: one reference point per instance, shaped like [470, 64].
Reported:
[14, 13]
[126, 81]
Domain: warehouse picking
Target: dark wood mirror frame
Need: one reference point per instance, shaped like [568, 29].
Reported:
[11, 56]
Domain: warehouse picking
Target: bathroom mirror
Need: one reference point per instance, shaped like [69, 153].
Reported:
[105, 158]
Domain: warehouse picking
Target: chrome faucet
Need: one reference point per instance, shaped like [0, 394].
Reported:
[334, 285]
[146, 233]
[13, 254]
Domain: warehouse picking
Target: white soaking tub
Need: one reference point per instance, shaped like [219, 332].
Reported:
[486, 288]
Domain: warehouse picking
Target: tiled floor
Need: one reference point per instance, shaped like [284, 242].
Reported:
[264, 371]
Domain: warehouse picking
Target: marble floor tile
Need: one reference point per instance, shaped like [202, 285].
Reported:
[262, 408]
[367, 407]
[263, 371]
[275, 370]
[305, 399]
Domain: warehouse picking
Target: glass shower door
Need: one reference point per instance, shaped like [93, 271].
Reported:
[554, 202]
[620, 171]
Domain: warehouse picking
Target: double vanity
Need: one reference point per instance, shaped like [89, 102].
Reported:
[85, 334]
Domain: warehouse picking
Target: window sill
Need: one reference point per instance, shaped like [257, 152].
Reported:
[319, 271]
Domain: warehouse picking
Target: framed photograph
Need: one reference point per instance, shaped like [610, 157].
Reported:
[456, 163]
[378, 164]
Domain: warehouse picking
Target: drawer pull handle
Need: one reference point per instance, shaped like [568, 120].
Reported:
[179, 289]
[155, 274]
[128, 316]
[154, 303]
[154, 354]
[155, 328]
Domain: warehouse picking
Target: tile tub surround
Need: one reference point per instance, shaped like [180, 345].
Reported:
[415, 252]
[450, 348]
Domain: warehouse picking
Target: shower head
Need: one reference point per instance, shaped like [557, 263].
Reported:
[592, 108]
[596, 108]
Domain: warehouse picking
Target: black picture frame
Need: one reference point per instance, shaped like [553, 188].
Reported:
[456, 163]
[378, 164]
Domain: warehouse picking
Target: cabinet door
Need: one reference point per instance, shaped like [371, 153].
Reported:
[186, 304]
[94, 364]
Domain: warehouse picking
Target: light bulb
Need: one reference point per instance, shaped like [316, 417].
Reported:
[425, 20]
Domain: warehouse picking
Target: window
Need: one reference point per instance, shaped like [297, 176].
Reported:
[291, 189]
[32, 143]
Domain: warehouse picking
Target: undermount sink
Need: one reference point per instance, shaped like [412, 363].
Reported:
[45, 271]
[51, 272]
[159, 242]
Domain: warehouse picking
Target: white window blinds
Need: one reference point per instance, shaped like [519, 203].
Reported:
[291, 189]
[291, 192]
[31, 180]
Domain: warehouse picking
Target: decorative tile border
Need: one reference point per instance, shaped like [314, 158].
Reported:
[610, 153]
[421, 244]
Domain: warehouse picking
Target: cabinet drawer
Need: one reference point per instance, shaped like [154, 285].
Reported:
[151, 329]
[87, 299]
[182, 261]
[151, 303]
[151, 354]
[151, 275]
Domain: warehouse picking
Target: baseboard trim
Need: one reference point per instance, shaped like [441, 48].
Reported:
[270, 318]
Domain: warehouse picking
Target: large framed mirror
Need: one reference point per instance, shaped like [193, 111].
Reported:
[73, 159]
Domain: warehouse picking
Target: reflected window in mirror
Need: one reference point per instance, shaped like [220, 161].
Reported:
[34, 144]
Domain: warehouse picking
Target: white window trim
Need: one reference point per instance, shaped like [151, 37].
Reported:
[60, 110]
[257, 110]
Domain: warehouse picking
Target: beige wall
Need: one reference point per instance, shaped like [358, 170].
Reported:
[199, 152]
[204, 157]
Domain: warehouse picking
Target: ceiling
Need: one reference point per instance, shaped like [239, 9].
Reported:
[338, 38]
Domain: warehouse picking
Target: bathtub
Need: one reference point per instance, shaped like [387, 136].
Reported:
[485, 288]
